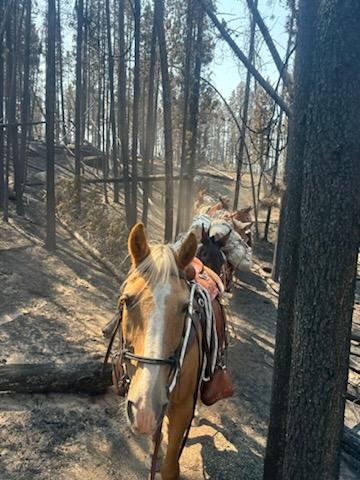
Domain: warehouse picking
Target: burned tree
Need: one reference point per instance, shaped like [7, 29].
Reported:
[320, 247]
[50, 112]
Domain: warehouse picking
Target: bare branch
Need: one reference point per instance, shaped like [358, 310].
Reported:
[270, 44]
[244, 59]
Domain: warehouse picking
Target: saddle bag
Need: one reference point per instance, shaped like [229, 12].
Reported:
[220, 386]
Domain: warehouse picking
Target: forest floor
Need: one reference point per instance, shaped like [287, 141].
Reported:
[53, 307]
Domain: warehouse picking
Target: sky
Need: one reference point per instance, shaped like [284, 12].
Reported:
[227, 69]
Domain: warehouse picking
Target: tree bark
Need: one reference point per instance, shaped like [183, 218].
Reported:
[193, 120]
[2, 151]
[91, 377]
[169, 188]
[149, 120]
[6, 16]
[12, 129]
[244, 116]
[135, 122]
[61, 74]
[50, 112]
[123, 122]
[9, 46]
[78, 102]
[25, 106]
[320, 247]
[114, 152]
[185, 147]
[85, 66]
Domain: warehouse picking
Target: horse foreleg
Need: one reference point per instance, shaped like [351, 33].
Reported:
[180, 416]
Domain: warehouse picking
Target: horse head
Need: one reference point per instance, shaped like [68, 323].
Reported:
[210, 251]
[156, 297]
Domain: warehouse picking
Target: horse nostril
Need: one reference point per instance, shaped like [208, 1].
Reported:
[130, 411]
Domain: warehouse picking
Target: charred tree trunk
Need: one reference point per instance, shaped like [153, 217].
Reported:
[25, 106]
[123, 122]
[78, 103]
[274, 173]
[13, 129]
[319, 258]
[61, 74]
[2, 158]
[169, 188]
[244, 115]
[50, 112]
[9, 46]
[114, 152]
[194, 113]
[275, 270]
[85, 60]
[185, 154]
[149, 120]
[135, 120]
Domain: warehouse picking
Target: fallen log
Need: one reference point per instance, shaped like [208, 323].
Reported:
[215, 176]
[140, 178]
[89, 377]
[351, 443]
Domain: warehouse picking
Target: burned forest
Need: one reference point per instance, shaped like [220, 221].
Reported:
[179, 235]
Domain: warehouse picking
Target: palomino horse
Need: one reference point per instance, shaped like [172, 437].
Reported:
[155, 308]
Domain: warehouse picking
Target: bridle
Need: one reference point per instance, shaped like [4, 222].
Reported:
[124, 356]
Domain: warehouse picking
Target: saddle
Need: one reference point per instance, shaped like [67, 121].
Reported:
[220, 385]
[208, 279]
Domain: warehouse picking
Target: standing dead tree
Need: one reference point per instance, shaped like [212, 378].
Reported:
[2, 151]
[122, 112]
[135, 120]
[50, 113]
[169, 186]
[78, 102]
[150, 120]
[318, 263]
[114, 152]
[193, 115]
[244, 116]
[25, 105]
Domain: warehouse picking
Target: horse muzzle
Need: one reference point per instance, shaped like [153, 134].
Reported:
[142, 418]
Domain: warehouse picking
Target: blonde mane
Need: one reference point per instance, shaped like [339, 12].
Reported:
[156, 268]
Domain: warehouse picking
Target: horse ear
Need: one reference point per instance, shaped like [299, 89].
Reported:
[204, 235]
[223, 240]
[187, 251]
[137, 244]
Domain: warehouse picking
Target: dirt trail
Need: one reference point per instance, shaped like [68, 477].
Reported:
[52, 309]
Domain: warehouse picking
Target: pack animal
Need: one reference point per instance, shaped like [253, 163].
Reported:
[162, 342]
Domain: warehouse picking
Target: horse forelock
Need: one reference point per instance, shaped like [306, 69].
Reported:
[157, 268]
